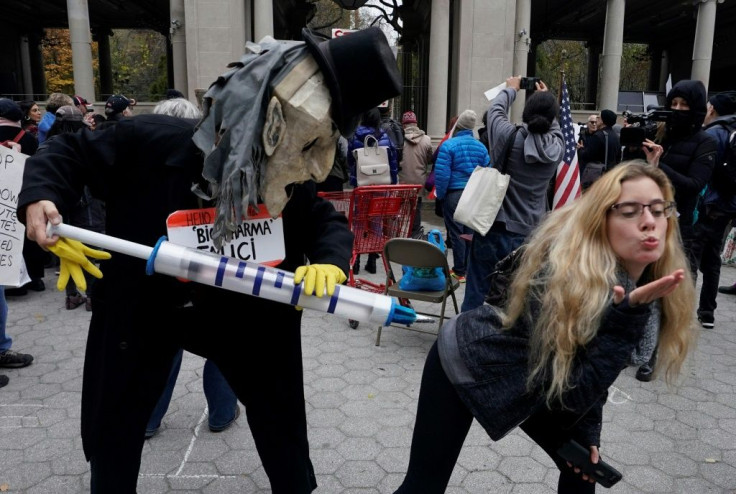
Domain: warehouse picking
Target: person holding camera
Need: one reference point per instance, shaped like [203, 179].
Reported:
[595, 279]
[686, 153]
[531, 160]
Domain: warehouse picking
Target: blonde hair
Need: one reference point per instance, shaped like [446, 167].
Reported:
[569, 267]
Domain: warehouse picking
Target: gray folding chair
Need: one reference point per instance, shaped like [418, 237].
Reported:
[420, 254]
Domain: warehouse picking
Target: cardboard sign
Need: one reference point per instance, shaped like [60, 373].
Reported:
[259, 238]
[12, 231]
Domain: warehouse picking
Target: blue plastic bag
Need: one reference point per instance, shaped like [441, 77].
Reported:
[425, 279]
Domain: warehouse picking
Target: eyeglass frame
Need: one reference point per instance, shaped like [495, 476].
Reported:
[670, 208]
[592, 122]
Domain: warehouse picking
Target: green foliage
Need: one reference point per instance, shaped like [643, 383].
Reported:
[138, 60]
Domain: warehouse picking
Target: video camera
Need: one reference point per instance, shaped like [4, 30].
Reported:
[643, 126]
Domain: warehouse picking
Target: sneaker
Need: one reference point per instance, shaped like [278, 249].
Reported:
[4, 380]
[728, 289]
[14, 360]
[220, 428]
[706, 320]
[458, 277]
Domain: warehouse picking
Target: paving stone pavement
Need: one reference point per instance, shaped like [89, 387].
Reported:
[361, 402]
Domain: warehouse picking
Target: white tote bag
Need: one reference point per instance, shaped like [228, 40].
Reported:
[482, 198]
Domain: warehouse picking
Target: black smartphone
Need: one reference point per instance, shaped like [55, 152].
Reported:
[602, 472]
[529, 83]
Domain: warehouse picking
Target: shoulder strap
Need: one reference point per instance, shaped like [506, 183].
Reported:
[19, 136]
[507, 146]
[605, 157]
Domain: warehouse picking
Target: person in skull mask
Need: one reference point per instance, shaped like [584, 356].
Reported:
[686, 153]
[269, 131]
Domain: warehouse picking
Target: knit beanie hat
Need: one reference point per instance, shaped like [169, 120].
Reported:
[608, 117]
[724, 103]
[10, 110]
[409, 118]
[466, 120]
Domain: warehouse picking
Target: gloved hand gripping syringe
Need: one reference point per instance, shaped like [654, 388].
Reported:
[248, 278]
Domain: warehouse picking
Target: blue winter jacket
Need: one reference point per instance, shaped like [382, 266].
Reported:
[456, 160]
[45, 124]
[356, 142]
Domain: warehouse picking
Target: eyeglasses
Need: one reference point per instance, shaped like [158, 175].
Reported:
[592, 122]
[658, 209]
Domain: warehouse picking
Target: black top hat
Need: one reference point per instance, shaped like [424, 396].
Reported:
[360, 70]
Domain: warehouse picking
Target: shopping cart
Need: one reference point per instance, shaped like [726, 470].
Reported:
[376, 214]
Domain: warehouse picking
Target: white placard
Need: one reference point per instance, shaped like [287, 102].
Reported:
[12, 231]
[258, 239]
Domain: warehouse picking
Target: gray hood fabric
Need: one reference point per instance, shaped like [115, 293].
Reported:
[234, 112]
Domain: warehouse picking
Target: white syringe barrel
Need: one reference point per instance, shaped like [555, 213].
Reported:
[269, 283]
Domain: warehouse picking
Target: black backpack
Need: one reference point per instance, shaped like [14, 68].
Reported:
[724, 173]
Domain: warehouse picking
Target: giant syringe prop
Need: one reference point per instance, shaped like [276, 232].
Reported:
[248, 278]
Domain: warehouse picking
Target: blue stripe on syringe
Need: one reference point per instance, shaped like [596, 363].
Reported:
[221, 271]
[258, 281]
[333, 300]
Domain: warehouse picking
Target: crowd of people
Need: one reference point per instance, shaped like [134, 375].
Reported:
[603, 283]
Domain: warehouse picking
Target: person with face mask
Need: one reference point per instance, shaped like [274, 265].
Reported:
[269, 129]
[686, 153]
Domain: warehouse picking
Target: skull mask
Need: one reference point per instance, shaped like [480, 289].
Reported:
[299, 136]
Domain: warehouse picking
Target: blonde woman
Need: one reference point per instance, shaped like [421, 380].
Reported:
[596, 280]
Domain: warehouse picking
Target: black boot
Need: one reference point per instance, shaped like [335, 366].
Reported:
[646, 371]
[370, 265]
[356, 265]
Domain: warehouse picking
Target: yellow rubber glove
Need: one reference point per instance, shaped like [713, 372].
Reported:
[73, 255]
[318, 276]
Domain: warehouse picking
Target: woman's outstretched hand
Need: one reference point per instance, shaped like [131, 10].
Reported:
[651, 291]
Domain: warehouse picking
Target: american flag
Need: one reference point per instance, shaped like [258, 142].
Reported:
[567, 184]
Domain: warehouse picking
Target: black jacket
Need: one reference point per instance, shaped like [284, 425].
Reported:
[688, 163]
[594, 149]
[143, 168]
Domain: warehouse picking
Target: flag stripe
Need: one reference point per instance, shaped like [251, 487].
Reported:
[567, 183]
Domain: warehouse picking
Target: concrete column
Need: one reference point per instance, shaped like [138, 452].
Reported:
[178, 46]
[522, 41]
[613, 40]
[37, 69]
[81, 41]
[664, 71]
[25, 66]
[439, 56]
[703, 44]
[591, 83]
[105, 61]
[262, 19]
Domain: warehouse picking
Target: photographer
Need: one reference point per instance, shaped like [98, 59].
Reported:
[531, 161]
[686, 153]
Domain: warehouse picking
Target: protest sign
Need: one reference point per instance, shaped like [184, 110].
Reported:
[12, 231]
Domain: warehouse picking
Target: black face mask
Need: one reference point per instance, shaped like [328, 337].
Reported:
[681, 123]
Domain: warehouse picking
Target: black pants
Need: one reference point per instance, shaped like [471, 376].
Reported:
[259, 353]
[707, 244]
[441, 426]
